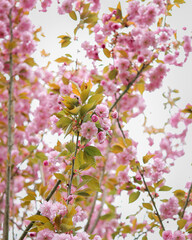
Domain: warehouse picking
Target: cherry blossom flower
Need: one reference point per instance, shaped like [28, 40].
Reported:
[88, 130]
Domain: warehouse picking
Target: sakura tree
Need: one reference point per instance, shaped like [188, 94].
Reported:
[71, 190]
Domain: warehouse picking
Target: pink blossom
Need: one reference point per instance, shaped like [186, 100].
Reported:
[66, 7]
[24, 25]
[167, 235]
[123, 64]
[102, 111]
[170, 208]
[45, 4]
[175, 120]
[79, 216]
[45, 234]
[27, 4]
[178, 235]
[4, 6]
[101, 136]
[3, 30]
[88, 130]
[105, 123]
[114, 114]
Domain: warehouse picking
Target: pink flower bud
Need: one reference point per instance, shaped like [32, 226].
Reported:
[45, 163]
[94, 118]
[114, 114]
[101, 136]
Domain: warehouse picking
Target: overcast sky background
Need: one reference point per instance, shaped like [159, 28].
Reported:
[54, 25]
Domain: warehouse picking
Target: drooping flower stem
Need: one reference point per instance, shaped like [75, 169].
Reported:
[10, 140]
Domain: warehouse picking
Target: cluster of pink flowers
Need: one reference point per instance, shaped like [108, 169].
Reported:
[50, 235]
[92, 51]
[177, 235]
[170, 208]
[51, 210]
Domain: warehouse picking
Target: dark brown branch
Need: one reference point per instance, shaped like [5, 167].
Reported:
[72, 169]
[128, 86]
[153, 202]
[187, 201]
[10, 137]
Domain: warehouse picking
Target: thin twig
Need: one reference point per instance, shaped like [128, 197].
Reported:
[128, 86]
[187, 201]
[153, 202]
[10, 137]
[94, 201]
[99, 213]
[72, 169]
[38, 212]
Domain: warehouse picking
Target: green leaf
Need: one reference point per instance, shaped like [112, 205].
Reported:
[96, 99]
[134, 196]
[86, 108]
[117, 148]
[60, 176]
[92, 151]
[165, 188]
[79, 161]
[73, 15]
[92, 182]
[113, 73]
[63, 122]
[144, 237]
[119, 169]
[41, 156]
[90, 160]
[39, 218]
[28, 198]
[189, 229]
[85, 94]
[148, 206]
[108, 216]
[179, 193]
[70, 147]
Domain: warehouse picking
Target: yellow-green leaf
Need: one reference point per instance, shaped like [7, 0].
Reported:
[148, 206]
[179, 1]
[113, 73]
[73, 15]
[106, 52]
[117, 148]
[92, 151]
[30, 62]
[120, 168]
[179, 193]
[181, 223]
[64, 60]
[147, 157]
[165, 188]
[39, 218]
[60, 176]
[28, 198]
[134, 196]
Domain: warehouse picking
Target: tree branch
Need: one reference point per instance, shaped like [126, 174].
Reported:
[94, 201]
[187, 201]
[128, 86]
[72, 169]
[153, 202]
[10, 137]
[99, 213]
[38, 212]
